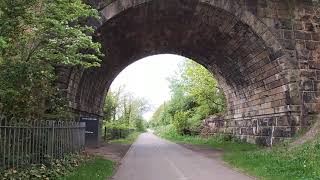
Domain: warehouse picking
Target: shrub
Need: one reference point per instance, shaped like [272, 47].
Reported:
[53, 169]
[181, 123]
[139, 125]
[116, 130]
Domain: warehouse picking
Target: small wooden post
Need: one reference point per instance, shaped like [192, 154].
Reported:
[105, 133]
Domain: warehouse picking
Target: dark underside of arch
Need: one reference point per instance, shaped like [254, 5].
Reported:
[255, 77]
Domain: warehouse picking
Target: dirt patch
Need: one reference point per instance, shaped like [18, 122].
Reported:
[111, 151]
[204, 150]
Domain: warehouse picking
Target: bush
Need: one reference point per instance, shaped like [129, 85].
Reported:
[116, 130]
[139, 125]
[54, 169]
[181, 123]
[166, 131]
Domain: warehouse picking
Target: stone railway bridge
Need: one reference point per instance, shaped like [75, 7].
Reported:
[264, 53]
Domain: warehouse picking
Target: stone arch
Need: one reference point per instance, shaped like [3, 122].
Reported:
[258, 76]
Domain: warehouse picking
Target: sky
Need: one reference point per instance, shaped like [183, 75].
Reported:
[147, 78]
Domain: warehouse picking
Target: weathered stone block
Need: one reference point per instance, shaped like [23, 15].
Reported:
[284, 132]
[310, 45]
[314, 65]
[289, 44]
[307, 85]
[309, 97]
[262, 140]
[302, 35]
[315, 36]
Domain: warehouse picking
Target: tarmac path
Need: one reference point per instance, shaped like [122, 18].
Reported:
[152, 158]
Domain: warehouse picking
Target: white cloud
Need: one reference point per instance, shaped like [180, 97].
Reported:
[147, 78]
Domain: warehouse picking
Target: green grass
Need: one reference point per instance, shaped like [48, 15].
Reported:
[128, 140]
[99, 168]
[217, 142]
[95, 169]
[278, 163]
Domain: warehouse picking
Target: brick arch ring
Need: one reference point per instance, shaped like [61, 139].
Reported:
[258, 76]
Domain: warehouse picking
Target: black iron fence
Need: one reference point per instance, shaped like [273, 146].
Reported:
[35, 142]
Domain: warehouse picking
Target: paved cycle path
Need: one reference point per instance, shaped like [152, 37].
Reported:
[152, 158]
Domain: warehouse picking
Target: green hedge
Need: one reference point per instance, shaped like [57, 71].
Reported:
[116, 131]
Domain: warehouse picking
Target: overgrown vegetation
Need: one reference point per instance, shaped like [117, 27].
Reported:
[73, 166]
[123, 113]
[280, 162]
[195, 96]
[127, 140]
[219, 141]
[53, 169]
[35, 37]
[116, 130]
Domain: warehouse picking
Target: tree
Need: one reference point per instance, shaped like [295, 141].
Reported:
[125, 109]
[35, 36]
[159, 116]
[195, 94]
[132, 108]
[111, 105]
[199, 83]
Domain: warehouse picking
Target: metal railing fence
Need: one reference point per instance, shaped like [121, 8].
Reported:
[36, 142]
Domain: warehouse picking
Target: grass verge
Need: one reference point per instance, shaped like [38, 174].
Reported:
[218, 142]
[280, 162]
[97, 168]
[128, 140]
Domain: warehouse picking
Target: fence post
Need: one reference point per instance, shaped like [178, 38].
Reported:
[52, 139]
[83, 139]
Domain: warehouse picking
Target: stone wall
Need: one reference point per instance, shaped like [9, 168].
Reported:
[264, 53]
[296, 27]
